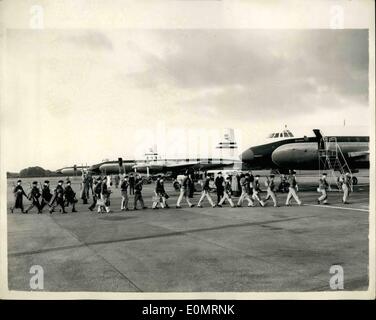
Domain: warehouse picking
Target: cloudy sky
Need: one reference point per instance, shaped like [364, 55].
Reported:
[81, 96]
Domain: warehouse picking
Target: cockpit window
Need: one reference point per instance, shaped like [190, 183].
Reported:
[276, 135]
[285, 134]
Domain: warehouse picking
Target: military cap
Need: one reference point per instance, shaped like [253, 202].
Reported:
[35, 182]
[46, 181]
[272, 176]
[19, 181]
[60, 181]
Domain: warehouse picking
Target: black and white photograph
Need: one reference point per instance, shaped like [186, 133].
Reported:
[197, 149]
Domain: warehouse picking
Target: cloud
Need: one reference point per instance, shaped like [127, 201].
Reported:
[261, 71]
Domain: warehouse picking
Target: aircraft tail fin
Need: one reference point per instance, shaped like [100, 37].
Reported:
[228, 145]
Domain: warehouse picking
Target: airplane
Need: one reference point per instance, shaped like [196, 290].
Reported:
[72, 171]
[284, 152]
[154, 164]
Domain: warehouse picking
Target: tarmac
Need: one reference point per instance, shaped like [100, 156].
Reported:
[194, 249]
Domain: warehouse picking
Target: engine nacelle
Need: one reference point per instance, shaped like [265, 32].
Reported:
[296, 156]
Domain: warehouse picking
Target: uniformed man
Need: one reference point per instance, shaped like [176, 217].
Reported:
[345, 181]
[131, 183]
[34, 197]
[184, 191]
[246, 190]
[85, 187]
[138, 193]
[19, 193]
[96, 189]
[257, 190]
[46, 195]
[227, 193]
[70, 196]
[293, 189]
[270, 185]
[219, 184]
[283, 186]
[105, 195]
[124, 194]
[160, 194]
[206, 192]
[323, 187]
[58, 197]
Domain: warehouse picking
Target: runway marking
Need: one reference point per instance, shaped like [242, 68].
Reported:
[335, 207]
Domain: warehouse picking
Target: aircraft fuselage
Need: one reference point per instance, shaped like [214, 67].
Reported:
[303, 153]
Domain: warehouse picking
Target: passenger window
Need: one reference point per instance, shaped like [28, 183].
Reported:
[285, 134]
[276, 135]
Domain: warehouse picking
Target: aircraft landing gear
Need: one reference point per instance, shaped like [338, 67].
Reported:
[354, 181]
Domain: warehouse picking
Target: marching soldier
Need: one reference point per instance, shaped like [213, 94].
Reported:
[46, 195]
[206, 192]
[138, 193]
[323, 187]
[246, 190]
[269, 183]
[124, 194]
[219, 184]
[346, 185]
[227, 193]
[85, 187]
[19, 193]
[257, 190]
[131, 183]
[58, 197]
[105, 196]
[185, 186]
[34, 197]
[160, 194]
[293, 188]
[96, 189]
[70, 196]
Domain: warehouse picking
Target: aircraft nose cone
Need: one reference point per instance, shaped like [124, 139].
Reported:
[247, 155]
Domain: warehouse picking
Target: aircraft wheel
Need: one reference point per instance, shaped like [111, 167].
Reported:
[354, 181]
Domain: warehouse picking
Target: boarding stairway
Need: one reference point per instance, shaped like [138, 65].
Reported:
[331, 159]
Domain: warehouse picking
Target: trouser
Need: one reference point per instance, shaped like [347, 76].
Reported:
[292, 193]
[206, 194]
[220, 194]
[44, 203]
[227, 197]
[161, 200]
[245, 196]
[35, 203]
[92, 206]
[138, 198]
[72, 202]
[124, 200]
[59, 202]
[255, 196]
[271, 194]
[324, 196]
[131, 189]
[17, 204]
[105, 199]
[346, 192]
[181, 196]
